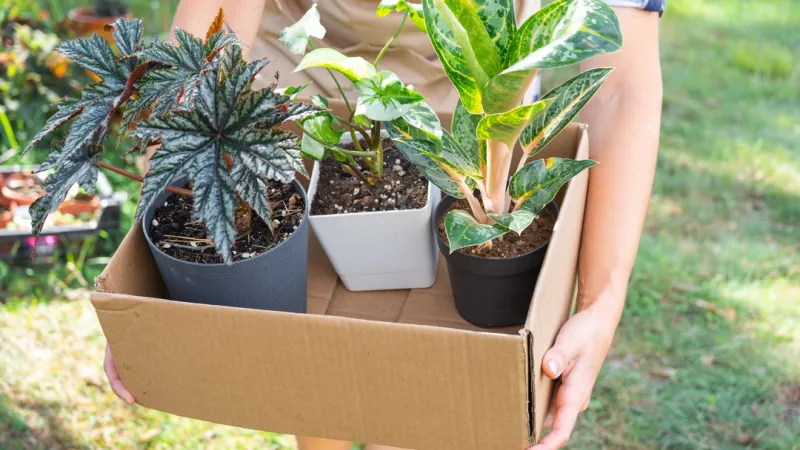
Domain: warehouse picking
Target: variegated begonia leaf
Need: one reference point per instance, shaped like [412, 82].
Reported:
[536, 184]
[295, 37]
[70, 169]
[565, 102]
[464, 231]
[563, 33]
[507, 126]
[384, 97]
[354, 68]
[76, 160]
[228, 119]
[415, 12]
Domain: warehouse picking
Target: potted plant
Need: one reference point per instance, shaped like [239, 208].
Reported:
[370, 207]
[234, 232]
[494, 226]
[94, 20]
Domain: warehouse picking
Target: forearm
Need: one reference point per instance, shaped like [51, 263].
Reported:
[624, 120]
[243, 16]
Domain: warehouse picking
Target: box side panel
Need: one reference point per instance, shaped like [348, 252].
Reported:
[410, 386]
[555, 290]
[132, 270]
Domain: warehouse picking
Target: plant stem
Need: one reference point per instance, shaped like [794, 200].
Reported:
[361, 154]
[377, 145]
[356, 144]
[335, 80]
[133, 176]
[498, 165]
[391, 40]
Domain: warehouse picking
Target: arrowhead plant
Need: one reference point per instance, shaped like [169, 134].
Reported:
[382, 96]
[195, 99]
[491, 62]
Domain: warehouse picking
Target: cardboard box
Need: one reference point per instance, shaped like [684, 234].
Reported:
[398, 368]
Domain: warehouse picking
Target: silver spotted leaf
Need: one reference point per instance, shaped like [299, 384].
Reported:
[70, 170]
[230, 120]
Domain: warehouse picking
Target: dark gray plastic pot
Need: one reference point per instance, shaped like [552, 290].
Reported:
[274, 280]
[491, 292]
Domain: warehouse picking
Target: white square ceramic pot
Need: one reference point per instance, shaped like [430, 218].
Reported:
[379, 250]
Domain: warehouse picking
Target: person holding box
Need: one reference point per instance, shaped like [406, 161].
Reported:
[624, 121]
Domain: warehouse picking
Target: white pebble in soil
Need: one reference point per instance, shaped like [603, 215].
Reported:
[356, 191]
[154, 222]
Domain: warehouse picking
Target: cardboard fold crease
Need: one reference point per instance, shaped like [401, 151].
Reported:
[397, 368]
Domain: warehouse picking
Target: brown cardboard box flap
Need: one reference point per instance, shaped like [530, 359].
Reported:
[391, 367]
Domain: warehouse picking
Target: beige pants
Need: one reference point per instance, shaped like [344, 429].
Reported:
[353, 29]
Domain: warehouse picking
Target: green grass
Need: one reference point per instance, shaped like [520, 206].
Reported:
[708, 352]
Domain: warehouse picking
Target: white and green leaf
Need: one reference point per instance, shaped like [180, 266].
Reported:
[536, 184]
[500, 21]
[384, 97]
[415, 12]
[318, 135]
[354, 68]
[293, 91]
[464, 231]
[565, 102]
[563, 33]
[296, 36]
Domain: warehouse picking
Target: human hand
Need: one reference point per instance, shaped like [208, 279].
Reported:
[114, 380]
[577, 355]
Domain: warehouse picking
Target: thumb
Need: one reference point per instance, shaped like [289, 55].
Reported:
[556, 360]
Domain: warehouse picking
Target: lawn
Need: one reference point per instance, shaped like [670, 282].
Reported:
[708, 352]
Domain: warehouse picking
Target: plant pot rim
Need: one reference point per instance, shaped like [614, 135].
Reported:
[367, 213]
[298, 187]
[435, 224]
[86, 14]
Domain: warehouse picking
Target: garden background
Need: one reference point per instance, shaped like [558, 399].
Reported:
[708, 352]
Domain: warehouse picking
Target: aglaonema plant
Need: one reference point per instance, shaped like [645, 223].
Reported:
[195, 99]
[492, 62]
[382, 96]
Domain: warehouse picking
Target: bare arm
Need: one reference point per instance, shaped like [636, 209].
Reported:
[244, 16]
[624, 120]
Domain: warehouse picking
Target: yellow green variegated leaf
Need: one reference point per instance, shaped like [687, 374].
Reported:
[500, 21]
[473, 38]
[384, 97]
[424, 118]
[295, 37]
[464, 126]
[563, 33]
[565, 103]
[464, 231]
[422, 148]
[465, 161]
[414, 11]
[453, 58]
[506, 127]
[536, 184]
[354, 68]
[516, 221]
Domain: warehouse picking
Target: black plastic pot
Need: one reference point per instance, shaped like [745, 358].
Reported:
[491, 292]
[273, 280]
